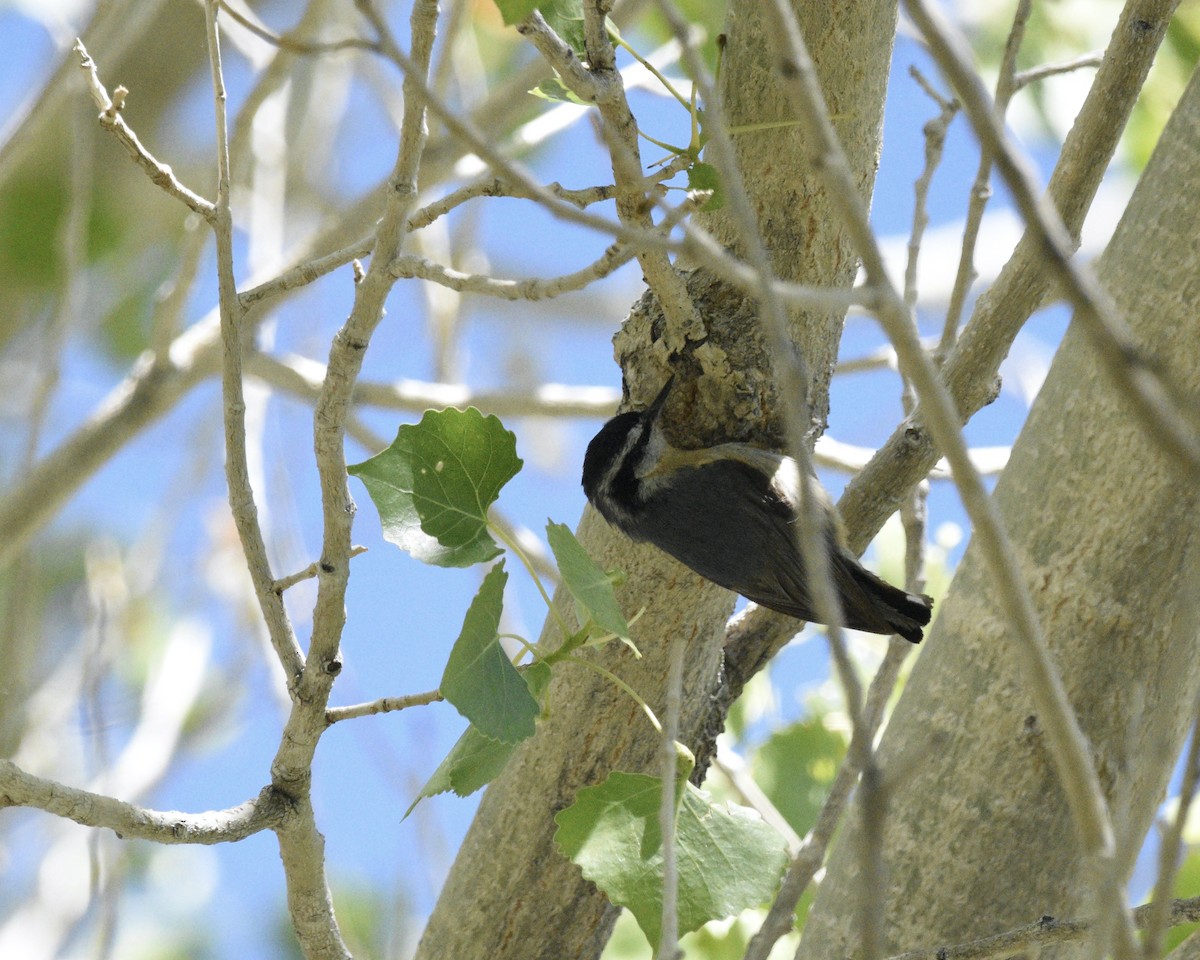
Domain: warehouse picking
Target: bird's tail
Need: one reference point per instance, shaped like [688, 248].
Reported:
[874, 605]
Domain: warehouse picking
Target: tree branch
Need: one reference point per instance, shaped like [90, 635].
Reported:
[382, 705]
[129, 821]
[1044, 933]
[1068, 745]
[110, 118]
[232, 324]
[970, 370]
[1134, 373]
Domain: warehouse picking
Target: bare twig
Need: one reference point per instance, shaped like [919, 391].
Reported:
[602, 84]
[306, 272]
[668, 944]
[970, 370]
[935, 141]
[1134, 373]
[1034, 74]
[232, 315]
[382, 705]
[303, 377]
[129, 821]
[557, 52]
[289, 42]
[301, 845]
[111, 120]
[150, 389]
[495, 186]
[1068, 745]
[1045, 932]
[411, 266]
[980, 190]
[285, 583]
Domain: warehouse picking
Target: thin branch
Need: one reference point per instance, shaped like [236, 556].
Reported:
[410, 266]
[303, 377]
[110, 118]
[849, 458]
[289, 43]
[603, 84]
[584, 83]
[232, 317]
[935, 142]
[129, 821]
[1068, 745]
[970, 370]
[306, 272]
[1034, 74]
[286, 583]
[698, 243]
[980, 190]
[1134, 373]
[1046, 932]
[149, 391]
[382, 705]
[668, 944]
[293, 761]
[496, 186]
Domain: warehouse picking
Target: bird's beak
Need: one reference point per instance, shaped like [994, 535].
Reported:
[655, 408]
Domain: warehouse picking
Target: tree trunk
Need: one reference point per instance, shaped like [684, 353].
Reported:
[510, 893]
[977, 837]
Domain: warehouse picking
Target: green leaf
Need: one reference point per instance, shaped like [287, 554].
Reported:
[589, 585]
[703, 176]
[566, 18]
[514, 11]
[475, 760]
[479, 679]
[434, 484]
[554, 89]
[727, 858]
[795, 768]
[472, 763]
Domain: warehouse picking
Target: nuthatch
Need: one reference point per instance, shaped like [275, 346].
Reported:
[729, 512]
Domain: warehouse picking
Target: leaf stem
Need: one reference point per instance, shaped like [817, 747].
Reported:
[511, 543]
[616, 38]
[609, 675]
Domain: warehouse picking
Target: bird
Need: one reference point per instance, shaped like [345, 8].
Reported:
[729, 512]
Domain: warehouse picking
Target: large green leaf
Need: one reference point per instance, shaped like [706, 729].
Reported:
[434, 484]
[727, 857]
[479, 678]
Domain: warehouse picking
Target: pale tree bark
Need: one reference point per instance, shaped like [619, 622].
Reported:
[510, 892]
[977, 837]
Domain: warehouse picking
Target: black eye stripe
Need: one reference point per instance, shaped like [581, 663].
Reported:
[625, 483]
